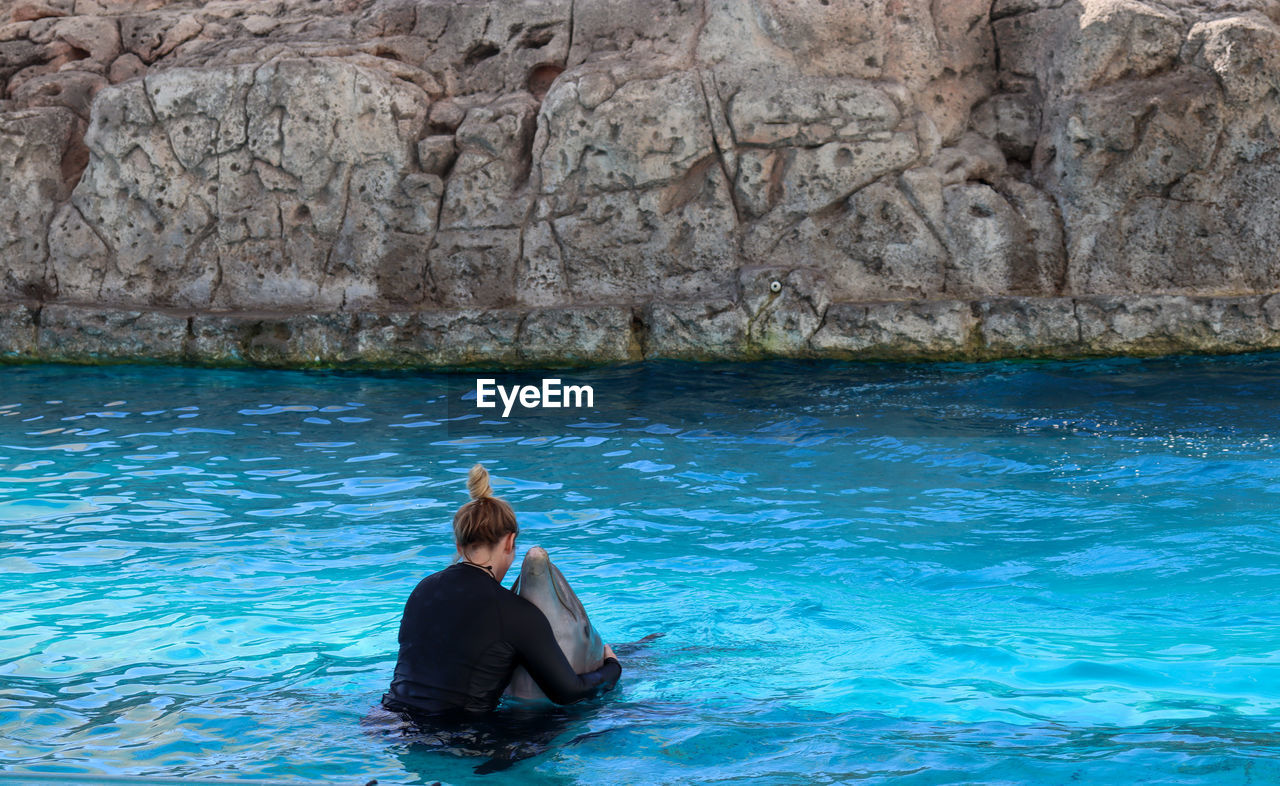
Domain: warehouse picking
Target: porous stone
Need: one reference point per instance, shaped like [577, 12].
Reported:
[541, 182]
[440, 337]
[17, 331]
[1079, 46]
[1029, 326]
[71, 89]
[637, 201]
[582, 334]
[875, 246]
[126, 66]
[944, 329]
[804, 181]
[33, 144]
[988, 241]
[1155, 324]
[28, 11]
[782, 110]
[93, 333]
[705, 330]
[1012, 120]
[786, 306]
[289, 184]
[487, 185]
[274, 340]
[540, 273]
[474, 267]
[436, 154]
[649, 133]
[99, 36]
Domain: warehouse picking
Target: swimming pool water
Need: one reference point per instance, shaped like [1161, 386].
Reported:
[1045, 572]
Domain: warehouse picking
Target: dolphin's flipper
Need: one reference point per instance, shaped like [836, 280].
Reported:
[496, 764]
[507, 758]
[630, 648]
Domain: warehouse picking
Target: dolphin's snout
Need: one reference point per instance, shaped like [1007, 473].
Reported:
[536, 562]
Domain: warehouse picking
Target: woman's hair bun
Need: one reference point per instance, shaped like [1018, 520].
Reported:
[478, 482]
[486, 518]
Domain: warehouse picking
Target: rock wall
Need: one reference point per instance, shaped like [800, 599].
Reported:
[452, 182]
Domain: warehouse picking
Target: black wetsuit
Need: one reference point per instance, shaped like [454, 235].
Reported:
[461, 637]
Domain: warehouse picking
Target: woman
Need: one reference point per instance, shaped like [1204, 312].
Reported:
[463, 634]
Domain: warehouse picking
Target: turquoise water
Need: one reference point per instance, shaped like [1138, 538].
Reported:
[1016, 572]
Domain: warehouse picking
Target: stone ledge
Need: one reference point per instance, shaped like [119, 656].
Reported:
[75, 334]
[710, 330]
[984, 329]
[918, 330]
[1100, 325]
[17, 330]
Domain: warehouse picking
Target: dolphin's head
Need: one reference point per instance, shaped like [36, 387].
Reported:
[544, 585]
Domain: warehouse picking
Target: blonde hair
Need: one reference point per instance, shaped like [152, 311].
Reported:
[485, 519]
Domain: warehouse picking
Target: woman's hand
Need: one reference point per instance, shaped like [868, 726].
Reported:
[608, 653]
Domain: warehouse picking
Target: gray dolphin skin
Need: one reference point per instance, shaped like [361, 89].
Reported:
[543, 585]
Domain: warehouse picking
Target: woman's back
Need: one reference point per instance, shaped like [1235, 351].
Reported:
[447, 641]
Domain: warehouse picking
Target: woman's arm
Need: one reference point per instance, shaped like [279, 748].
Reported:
[535, 644]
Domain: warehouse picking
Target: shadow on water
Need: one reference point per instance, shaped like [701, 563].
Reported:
[496, 742]
[519, 730]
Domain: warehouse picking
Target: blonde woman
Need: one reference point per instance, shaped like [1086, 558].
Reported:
[463, 634]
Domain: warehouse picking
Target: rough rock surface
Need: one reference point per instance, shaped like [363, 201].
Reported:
[458, 182]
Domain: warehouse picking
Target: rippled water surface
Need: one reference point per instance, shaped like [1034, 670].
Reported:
[1048, 572]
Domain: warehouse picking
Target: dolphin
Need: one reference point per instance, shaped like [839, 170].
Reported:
[543, 585]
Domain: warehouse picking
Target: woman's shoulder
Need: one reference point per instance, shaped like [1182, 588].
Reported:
[519, 608]
[439, 575]
[441, 581]
[510, 598]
